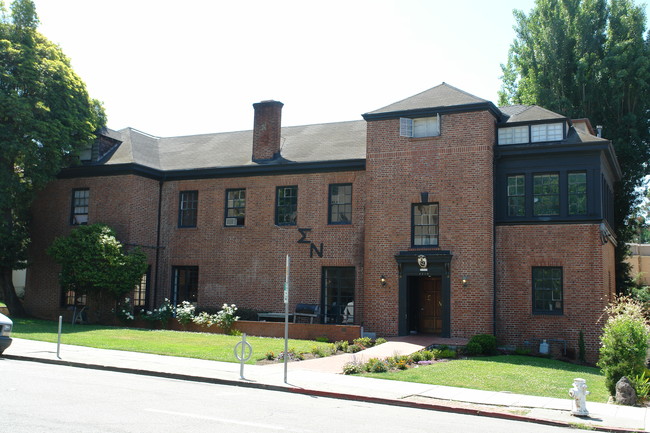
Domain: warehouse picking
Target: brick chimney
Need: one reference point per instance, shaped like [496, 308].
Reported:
[266, 130]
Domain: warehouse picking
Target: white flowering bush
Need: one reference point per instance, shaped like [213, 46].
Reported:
[226, 317]
[124, 311]
[185, 312]
[162, 313]
[204, 319]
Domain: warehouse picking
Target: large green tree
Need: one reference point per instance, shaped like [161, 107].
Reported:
[46, 117]
[93, 262]
[590, 58]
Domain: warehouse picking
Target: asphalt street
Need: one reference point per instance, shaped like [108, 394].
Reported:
[53, 398]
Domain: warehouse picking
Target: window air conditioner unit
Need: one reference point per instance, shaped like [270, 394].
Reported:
[231, 222]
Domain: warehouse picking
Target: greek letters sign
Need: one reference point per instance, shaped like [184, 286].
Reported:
[312, 246]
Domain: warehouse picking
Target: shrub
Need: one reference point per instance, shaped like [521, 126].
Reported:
[226, 317]
[342, 345]
[448, 353]
[351, 368]
[124, 311]
[642, 385]
[322, 339]
[417, 356]
[427, 355]
[473, 348]
[184, 312]
[162, 313]
[379, 341]
[375, 365]
[522, 351]
[624, 342]
[204, 319]
[354, 348]
[487, 342]
[581, 347]
[365, 342]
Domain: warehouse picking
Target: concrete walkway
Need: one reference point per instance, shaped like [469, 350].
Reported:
[321, 377]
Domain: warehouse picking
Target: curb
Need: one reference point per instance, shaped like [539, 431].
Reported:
[325, 394]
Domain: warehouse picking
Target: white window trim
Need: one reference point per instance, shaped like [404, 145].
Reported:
[407, 127]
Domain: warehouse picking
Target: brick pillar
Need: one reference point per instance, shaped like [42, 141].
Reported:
[266, 130]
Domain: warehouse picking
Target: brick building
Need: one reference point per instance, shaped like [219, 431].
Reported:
[438, 214]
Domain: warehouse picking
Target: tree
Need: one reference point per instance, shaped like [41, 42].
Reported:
[46, 118]
[93, 262]
[590, 58]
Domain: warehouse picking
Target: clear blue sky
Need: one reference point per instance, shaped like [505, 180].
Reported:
[196, 66]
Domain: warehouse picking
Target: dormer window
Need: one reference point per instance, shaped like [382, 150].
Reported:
[419, 127]
[547, 132]
[513, 135]
[531, 133]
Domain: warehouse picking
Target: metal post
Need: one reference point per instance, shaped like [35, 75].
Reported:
[286, 318]
[58, 343]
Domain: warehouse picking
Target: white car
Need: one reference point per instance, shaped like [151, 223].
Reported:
[5, 332]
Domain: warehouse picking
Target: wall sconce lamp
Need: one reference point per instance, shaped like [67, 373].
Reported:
[465, 281]
[382, 280]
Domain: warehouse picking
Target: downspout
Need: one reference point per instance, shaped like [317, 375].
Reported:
[158, 229]
[494, 245]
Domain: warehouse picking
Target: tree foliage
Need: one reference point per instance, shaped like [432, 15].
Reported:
[46, 118]
[94, 262]
[590, 58]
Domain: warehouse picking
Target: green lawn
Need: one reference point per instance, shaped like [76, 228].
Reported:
[516, 374]
[511, 373]
[216, 347]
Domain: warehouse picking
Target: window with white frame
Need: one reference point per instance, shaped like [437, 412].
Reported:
[546, 132]
[513, 135]
[420, 127]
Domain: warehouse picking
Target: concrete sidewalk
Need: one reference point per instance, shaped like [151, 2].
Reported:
[319, 377]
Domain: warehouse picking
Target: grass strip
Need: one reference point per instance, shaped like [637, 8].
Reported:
[507, 373]
[215, 347]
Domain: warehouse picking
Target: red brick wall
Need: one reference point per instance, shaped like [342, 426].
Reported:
[242, 265]
[246, 265]
[456, 169]
[588, 283]
[126, 203]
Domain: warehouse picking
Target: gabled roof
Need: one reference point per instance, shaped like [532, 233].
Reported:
[528, 113]
[443, 95]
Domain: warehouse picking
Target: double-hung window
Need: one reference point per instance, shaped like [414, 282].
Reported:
[425, 224]
[79, 212]
[187, 208]
[235, 207]
[286, 210]
[547, 290]
[546, 194]
[340, 204]
[577, 184]
[517, 195]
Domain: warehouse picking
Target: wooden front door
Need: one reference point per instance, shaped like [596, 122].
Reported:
[430, 321]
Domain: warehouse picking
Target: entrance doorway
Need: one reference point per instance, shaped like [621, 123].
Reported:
[425, 302]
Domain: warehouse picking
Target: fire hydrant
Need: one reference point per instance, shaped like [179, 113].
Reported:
[579, 394]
